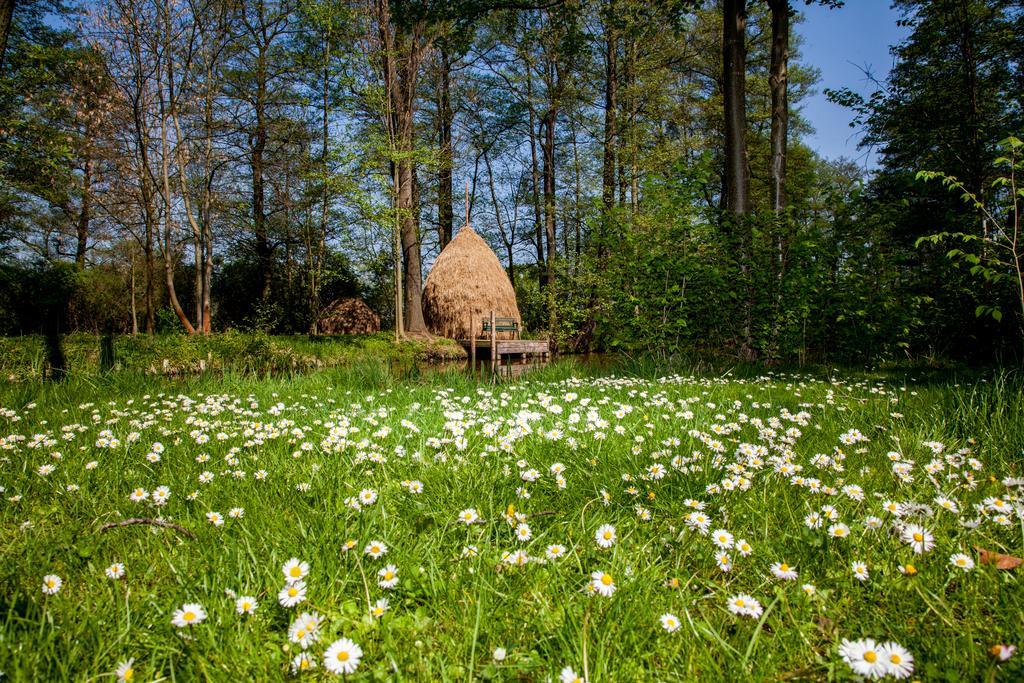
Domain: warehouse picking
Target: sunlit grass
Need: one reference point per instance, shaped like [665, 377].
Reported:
[449, 612]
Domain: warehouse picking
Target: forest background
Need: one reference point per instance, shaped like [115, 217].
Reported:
[641, 169]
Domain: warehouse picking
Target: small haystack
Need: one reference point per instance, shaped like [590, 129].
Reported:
[348, 316]
[467, 280]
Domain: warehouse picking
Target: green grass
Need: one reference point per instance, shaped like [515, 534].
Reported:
[24, 359]
[449, 613]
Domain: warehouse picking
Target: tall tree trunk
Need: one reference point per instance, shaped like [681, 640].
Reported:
[149, 294]
[264, 255]
[84, 213]
[538, 226]
[734, 65]
[548, 150]
[131, 285]
[315, 250]
[736, 188]
[611, 82]
[165, 175]
[445, 211]
[778, 77]
[6, 16]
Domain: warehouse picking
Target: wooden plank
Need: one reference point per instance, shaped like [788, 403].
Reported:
[527, 346]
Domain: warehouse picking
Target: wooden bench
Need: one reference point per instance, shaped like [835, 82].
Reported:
[502, 325]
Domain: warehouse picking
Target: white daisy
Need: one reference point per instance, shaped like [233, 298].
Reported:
[342, 657]
[189, 614]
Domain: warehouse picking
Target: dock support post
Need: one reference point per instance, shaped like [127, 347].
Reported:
[494, 345]
[472, 346]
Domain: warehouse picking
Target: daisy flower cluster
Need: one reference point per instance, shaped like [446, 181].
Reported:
[695, 508]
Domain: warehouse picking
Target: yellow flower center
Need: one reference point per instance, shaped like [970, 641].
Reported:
[740, 603]
[188, 616]
[606, 579]
[607, 535]
[343, 656]
[918, 536]
[295, 571]
[128, 674]
[911, 569]
[783, 567]
[895, 658]
[388, 576]
[870, 657]
[292, 591]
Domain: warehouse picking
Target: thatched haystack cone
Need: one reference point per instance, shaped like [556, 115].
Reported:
[348, 316]
[467, 280]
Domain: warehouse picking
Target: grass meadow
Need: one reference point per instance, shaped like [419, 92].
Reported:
[565, 525]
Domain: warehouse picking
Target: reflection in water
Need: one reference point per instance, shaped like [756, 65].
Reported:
[511, 366]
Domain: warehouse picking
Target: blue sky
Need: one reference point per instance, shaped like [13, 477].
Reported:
[842, 44]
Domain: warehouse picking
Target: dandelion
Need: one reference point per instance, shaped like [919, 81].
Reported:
[962, 561]
[603, 583]
[342, 657]
[669, 622]
[189, 614]
[52, 584]
[293, 593]
[246, 604]
[295, 570]
[115, 571]
[388, 576]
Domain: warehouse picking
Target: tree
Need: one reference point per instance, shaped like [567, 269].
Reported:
[736, 188]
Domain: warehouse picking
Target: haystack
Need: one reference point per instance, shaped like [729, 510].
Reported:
[348, 316]
[467, 280]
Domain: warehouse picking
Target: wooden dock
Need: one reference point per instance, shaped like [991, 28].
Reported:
[481, 347]
[495, 349]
